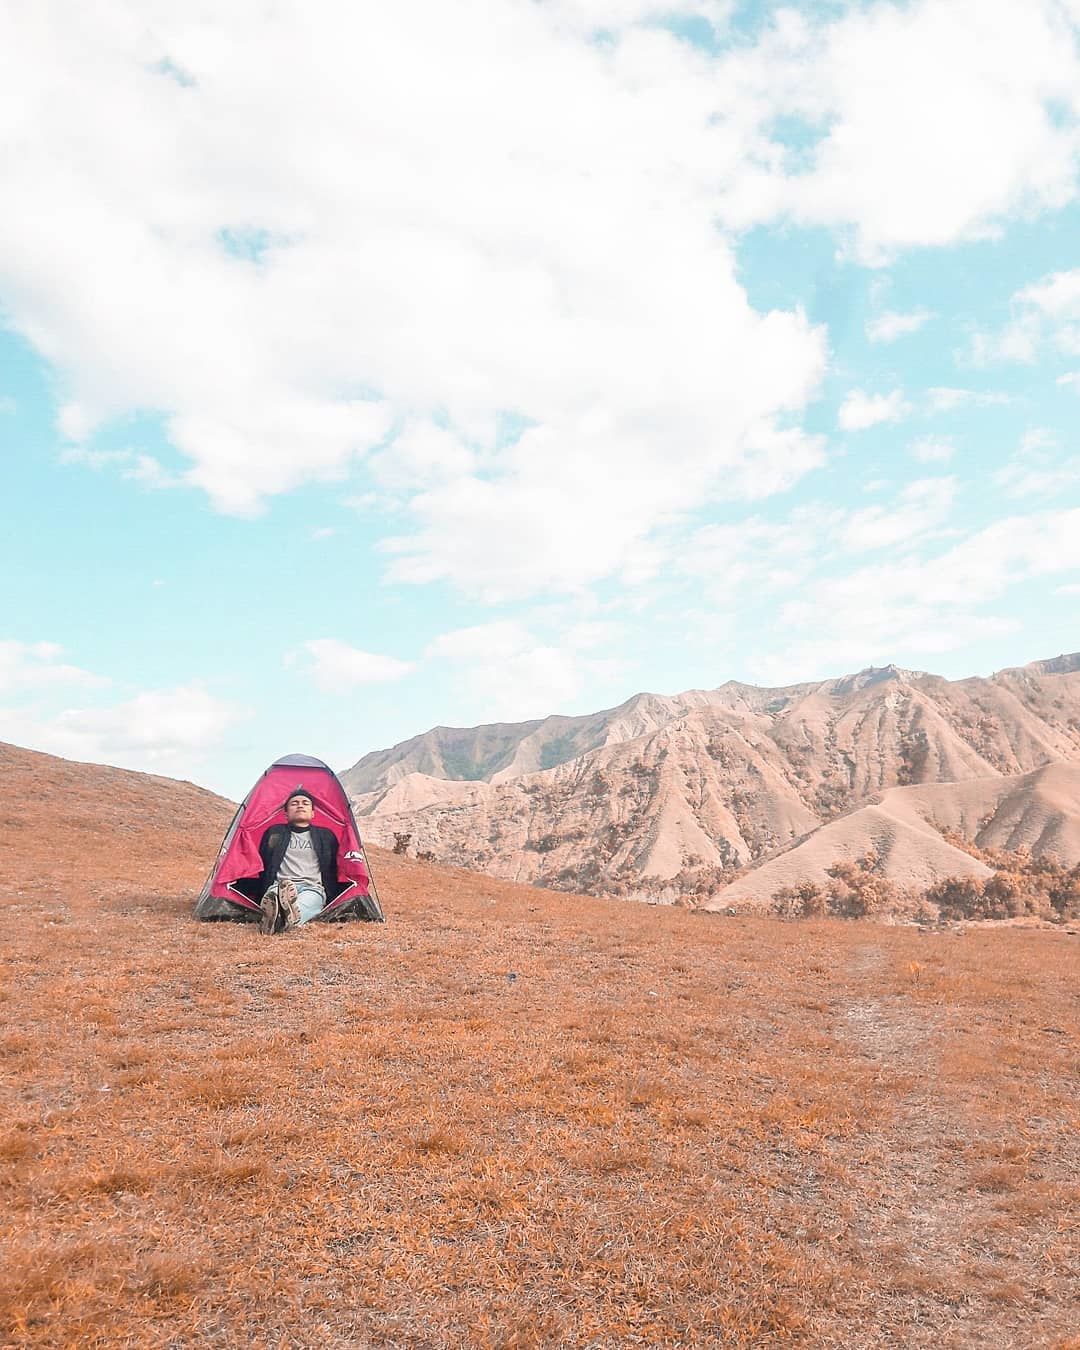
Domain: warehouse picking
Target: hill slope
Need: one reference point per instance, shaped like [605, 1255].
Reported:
[511, 1118]
[665, 794]
[1037, 812]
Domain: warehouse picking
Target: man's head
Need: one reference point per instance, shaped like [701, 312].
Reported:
[299, 809]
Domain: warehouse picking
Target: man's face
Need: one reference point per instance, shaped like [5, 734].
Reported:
[299, 810]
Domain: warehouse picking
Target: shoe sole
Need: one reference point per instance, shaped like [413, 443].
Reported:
[270, 911]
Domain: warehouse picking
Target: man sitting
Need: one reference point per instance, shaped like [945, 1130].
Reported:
[299, 867]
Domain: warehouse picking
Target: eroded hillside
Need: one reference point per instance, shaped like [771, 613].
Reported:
[664, 796]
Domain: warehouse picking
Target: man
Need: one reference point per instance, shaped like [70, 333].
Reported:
[299, 867]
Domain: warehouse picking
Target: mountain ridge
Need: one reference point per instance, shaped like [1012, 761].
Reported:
[665, 792]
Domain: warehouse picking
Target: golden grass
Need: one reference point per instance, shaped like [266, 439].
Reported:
[665, 1130]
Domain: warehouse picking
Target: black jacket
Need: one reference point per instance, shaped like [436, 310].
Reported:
[272, 848]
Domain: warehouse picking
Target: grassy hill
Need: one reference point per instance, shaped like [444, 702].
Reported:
[511, 1118]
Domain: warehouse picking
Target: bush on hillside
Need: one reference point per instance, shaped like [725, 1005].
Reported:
[1042, 888]
[856, 889]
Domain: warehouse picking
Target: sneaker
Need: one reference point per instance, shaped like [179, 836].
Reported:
[271, 911]
[290, 910]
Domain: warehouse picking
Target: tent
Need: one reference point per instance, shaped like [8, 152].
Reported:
[231, 889]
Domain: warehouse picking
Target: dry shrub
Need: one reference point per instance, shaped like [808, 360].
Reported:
[438, 1140]
[1022, 886]
[16, 1143]
[221, 1087]
[221, 1170]
[647, 1092]
[167, 1274]
[116, 1180]
[534, 1332]
[856, 889]
[1003, 1177]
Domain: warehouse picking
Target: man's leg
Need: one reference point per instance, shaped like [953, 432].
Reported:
[271, 911]
[287, 900]
[309, 902]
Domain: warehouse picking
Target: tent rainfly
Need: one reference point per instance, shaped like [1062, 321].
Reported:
[230, 890]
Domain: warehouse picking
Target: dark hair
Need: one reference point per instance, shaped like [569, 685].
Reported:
[297, 792]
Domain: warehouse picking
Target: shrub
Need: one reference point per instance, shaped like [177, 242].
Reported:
[856, 890]
[1043, 888]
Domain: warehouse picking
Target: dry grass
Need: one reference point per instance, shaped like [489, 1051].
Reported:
[667, 1129]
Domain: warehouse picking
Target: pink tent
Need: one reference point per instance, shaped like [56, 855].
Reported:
[230, 890]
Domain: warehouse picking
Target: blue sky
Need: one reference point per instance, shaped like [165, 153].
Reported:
[369, 368]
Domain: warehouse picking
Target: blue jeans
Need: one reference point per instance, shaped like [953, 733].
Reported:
[309, 902]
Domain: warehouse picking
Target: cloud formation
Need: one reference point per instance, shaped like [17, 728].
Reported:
[484, 257]
[860, 411]
[164, 730]
[444, 222]
[32, 666]
[891, 325]
[1045, 313]
[505, 671]
[923, 124]
[337, 667]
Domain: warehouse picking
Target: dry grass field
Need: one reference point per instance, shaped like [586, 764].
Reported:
[510, 1118]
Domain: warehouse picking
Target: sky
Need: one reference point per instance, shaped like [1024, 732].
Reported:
[367, 367]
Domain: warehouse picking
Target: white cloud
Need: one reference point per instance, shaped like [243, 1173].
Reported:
[1070, 381]
[567, 523]
[1036, 470]
[945, 399]
[164, 730]
[151, 473]
[422, 455]
[1036, 441]
[927, 123]
[761, 555]
[140, 468]
[922, 506]
[1046, 311]
[932, 604]
[1056, 296]
[336, 667]
[400, 274]
[595, 16]
[503, 671]
[36, 665]
[891, 325]
[764, 557]
[94, 459]
[861, 410]
[473, 218]
[933, 449]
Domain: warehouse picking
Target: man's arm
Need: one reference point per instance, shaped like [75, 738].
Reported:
[266, 845]
[328, 851]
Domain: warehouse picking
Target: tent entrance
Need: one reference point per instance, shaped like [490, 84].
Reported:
[230, 890]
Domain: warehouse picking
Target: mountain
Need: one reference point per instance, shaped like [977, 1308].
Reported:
[669, 795]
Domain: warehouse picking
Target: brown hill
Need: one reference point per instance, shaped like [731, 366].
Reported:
[104, 825]
[1037, 812]
[509, 1117]
[669, 794]
[909, 854]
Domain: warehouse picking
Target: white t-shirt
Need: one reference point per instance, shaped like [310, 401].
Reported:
[300, 863]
